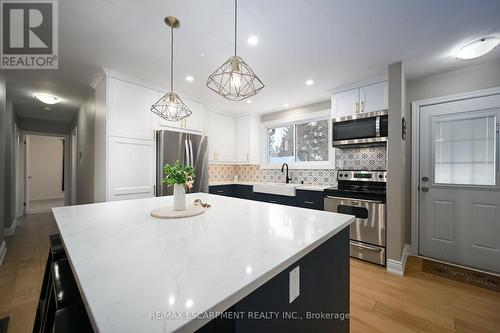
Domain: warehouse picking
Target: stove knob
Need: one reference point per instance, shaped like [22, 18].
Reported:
[340, 175]
[346, 175]
[380, 176]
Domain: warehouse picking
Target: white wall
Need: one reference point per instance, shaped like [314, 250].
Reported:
[397, 221]
[45, 167]
[84, 122]
[2, 156]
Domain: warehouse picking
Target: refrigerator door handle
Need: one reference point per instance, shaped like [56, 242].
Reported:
[186, 149]
[191, 152]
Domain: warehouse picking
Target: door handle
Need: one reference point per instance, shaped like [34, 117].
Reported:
[355, 199]
[425, 189]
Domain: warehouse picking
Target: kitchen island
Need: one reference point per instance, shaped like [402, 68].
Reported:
[137, 273]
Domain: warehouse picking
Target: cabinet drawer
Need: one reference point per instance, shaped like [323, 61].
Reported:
[310, 199]
[226, 190]
[277, 199]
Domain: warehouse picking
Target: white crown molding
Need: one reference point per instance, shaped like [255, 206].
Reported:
[3, 250]
[398, 267]
[359, 84]
[9, 231]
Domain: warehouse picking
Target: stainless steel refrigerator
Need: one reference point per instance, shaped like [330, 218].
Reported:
[189, 149]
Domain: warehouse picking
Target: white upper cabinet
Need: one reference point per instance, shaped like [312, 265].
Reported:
[345, 103]
[374, 97]
[247, 139]
[369, 98]
[129, 110]
[194, 123]
[220, 130]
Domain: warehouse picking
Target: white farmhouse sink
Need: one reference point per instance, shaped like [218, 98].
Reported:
[275, 188]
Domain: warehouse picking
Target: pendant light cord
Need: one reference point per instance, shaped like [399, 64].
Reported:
[235, 25]
[172, 59]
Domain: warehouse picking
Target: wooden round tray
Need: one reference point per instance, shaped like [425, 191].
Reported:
[170, 213]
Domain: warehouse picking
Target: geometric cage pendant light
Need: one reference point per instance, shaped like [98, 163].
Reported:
[234, 79]
[170, 107]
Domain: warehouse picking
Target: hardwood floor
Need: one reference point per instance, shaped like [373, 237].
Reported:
[380, 302]
[22, 269]
[418, 302]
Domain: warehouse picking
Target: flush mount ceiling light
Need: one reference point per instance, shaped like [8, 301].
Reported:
[478, 48]
[47, 99]
[235, 80]
[170, 107]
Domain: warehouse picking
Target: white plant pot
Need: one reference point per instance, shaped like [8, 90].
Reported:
[179, 197]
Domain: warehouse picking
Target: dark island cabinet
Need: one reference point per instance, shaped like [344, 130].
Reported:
[303, 198]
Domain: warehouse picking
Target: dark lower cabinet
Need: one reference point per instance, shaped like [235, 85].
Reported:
[310, 199]
[303, 198]
[227, 190]
[322, 305]
[243, 191]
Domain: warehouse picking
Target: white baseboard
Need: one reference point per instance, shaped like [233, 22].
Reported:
[398, 267]
[3, 250]
[10, 230]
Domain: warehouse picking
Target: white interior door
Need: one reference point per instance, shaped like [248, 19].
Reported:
[460, 183]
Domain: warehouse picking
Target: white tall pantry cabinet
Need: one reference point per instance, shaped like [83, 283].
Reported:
[125, 146]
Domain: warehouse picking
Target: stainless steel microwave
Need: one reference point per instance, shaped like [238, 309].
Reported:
[363, 129]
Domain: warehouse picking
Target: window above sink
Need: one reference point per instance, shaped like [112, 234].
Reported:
[302, 142]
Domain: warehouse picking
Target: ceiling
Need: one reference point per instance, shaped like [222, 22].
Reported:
[333, 42]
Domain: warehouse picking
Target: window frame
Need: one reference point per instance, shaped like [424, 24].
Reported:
[297, 120]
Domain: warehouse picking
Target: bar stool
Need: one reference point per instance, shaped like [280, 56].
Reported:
[56, 252]
[65, 287]
[72, 319]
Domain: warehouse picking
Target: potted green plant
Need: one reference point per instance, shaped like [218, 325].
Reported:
[182, 178]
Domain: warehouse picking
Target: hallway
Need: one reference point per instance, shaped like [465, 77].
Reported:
[22, 269]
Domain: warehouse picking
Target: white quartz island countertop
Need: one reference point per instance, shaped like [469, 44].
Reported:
[129, 265]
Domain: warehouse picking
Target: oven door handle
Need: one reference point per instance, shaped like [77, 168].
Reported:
[366, 247]
[355, 200]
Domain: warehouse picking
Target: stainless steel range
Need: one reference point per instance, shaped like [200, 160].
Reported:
[362, 194]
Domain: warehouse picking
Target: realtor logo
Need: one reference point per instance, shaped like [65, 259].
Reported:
[29, 36]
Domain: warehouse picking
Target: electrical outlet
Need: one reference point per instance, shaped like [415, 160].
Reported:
[294, 283]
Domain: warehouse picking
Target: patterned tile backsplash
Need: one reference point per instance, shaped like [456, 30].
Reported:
[369, 158]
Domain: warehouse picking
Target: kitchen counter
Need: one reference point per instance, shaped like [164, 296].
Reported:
[305, 187]
[129, 265]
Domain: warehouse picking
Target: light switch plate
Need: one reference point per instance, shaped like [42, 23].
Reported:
[294, 283]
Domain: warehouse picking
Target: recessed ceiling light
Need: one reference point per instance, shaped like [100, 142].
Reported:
[249, 101]
[47, 99]
[253, 40]
[46, 108]
[189, 78]
[202, 55]
[286, 105]
[478, 48]
[309, 82]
